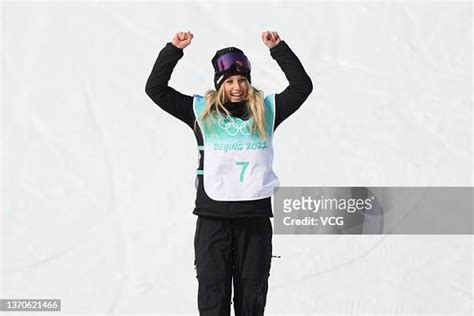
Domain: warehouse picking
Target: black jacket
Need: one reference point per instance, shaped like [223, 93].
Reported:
[181, 107]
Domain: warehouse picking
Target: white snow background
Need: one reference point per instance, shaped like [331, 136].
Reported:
[98, 181]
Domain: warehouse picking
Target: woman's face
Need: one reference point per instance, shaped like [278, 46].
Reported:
[236, 88]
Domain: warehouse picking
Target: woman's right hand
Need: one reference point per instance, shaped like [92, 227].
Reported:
[182, 39]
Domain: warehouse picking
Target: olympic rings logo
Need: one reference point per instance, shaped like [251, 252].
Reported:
[233, 126]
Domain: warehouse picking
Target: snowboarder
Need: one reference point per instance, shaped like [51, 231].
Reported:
[234, 126]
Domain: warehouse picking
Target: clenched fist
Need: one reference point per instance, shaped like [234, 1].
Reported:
[270, 39]
[182, 39]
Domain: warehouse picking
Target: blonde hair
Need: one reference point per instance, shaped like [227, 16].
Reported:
[255, 107]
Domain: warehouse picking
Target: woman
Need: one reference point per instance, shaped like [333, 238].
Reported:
[234, 126]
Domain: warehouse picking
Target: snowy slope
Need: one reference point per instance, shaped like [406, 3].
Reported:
[98, 181]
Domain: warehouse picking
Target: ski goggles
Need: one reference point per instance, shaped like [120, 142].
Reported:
[231, 59]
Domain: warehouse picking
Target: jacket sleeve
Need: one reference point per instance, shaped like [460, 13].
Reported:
[300, 85]
[167, 98]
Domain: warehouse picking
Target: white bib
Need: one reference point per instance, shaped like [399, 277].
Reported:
[237, 163]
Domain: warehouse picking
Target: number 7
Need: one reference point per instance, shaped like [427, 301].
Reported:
[244, 165]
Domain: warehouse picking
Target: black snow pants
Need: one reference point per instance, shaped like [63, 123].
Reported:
[232, 251]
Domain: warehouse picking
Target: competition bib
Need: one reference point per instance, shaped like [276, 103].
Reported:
[237, 163]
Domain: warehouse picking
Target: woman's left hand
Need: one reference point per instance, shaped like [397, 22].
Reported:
[270, 39]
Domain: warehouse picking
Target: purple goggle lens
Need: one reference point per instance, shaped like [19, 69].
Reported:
[228, 60]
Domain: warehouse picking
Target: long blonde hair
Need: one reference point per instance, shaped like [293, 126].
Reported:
[255, 106]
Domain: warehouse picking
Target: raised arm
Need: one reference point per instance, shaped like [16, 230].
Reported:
[300, 85]
[175, 103]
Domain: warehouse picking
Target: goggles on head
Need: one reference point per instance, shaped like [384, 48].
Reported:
[231, 59]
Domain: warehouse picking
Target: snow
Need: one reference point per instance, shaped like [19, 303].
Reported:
[98, 181]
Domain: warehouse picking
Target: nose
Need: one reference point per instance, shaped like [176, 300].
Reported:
[235, 85]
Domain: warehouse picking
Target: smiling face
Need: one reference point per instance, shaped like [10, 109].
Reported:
[236, 88]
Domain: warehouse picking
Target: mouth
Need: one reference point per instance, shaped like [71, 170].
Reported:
[236, 95]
